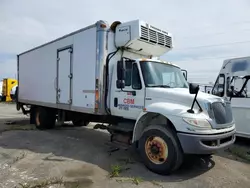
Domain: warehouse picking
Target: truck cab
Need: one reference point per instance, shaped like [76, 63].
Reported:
[156, 92]
[233, 84]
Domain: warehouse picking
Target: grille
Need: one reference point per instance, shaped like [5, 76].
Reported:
[153, 36]
[221, 113]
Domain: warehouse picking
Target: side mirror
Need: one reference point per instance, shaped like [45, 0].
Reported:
[184, 72]
[121, 70]
[121, 74]
[193, 88]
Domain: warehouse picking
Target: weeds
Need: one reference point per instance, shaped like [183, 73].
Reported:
[115, 171]
[133, 180]
[137, 180]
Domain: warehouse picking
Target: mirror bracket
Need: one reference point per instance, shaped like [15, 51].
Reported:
[194, 89]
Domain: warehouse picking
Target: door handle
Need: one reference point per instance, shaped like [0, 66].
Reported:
[115, 102]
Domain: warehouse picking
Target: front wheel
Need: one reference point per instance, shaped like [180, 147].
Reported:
[160, 149]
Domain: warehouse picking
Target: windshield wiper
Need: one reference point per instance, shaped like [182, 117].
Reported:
[163, 86]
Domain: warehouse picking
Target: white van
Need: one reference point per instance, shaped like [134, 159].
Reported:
[233, 84]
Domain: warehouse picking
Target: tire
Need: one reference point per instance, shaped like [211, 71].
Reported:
[18, 106]
[45, 118]
[80, 123]
[166, 138]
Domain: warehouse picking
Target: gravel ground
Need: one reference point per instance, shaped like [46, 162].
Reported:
[80, 157]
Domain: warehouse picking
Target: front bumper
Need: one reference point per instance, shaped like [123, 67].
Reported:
[205, 144]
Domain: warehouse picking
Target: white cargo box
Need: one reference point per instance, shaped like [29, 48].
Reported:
[62, 73]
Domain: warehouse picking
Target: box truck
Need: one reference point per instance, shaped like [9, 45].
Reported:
[233, 84]
[109, 74]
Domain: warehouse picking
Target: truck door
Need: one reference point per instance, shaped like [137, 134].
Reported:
[240, 105]
[129, 103]
[64, 75]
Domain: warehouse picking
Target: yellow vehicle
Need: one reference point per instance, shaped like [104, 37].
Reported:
[8, 84]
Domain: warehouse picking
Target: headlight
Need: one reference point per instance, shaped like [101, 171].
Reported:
[199, 123]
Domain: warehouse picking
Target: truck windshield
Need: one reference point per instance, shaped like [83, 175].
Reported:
[162, 75]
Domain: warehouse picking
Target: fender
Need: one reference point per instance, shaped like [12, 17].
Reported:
[171, 111]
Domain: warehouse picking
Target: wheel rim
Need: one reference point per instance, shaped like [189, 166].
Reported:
[37, 119]
[156, 149]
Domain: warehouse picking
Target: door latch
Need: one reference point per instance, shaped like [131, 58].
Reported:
[70, 101]
[70, 76]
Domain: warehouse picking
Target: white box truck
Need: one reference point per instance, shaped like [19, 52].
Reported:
[107, 74]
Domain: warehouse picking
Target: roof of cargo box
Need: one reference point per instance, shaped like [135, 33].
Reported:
[67, 35]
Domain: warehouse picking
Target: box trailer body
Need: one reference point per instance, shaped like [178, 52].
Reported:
[233, 84]
[54, 63]
[107, 74]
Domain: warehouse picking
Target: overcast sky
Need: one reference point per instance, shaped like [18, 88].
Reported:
[205, 32]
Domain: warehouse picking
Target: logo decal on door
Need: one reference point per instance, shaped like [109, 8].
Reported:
[128, 103]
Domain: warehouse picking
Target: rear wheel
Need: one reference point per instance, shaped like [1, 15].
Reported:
[45, 118]
[160, 149]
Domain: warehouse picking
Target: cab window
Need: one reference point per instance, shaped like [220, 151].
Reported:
[133, 77]
[136, 80]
